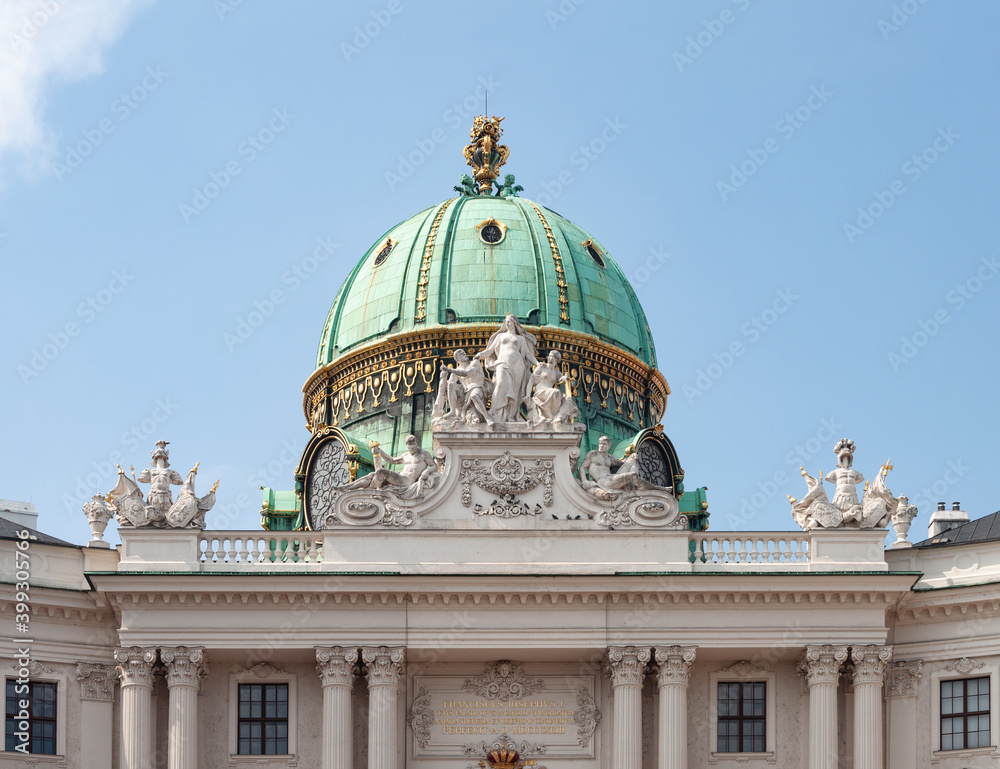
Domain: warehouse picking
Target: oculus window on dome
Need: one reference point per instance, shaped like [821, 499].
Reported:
[384, 251]
[491, 231]
[595, 252]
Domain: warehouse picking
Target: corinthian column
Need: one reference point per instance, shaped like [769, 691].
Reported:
[626, 665]
[822, 668]
[869, 667]
[383, 667]
[337, 668]
[184, 667]
[673, 671]
[135, 670]
[901, 703]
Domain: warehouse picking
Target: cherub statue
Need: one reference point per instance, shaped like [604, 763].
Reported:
[466, 186]
[548, 405]
[508, 189]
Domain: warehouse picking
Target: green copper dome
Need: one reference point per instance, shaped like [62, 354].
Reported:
[471, 260]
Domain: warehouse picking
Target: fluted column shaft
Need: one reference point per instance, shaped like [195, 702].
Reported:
[184, 669]
[627, 665]
[383, 666]
[337, 668]
[869, 668]
[135, 670]
[673, 670]
[822, 667]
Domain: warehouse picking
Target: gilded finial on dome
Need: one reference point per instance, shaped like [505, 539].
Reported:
[485, 154]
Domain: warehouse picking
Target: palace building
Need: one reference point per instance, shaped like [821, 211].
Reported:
[489, 555]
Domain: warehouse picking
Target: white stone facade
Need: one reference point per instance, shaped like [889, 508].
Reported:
[851, 642]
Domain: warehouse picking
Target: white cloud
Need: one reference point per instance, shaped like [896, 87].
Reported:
[44, 42]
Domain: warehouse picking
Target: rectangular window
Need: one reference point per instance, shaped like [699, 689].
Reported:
[742, 719]
[263, 720]
[41, 721]
[965, 714]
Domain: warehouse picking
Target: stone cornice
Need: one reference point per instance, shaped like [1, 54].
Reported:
[383, 665]
[336, 665]
[627, 665]
[673, 664]
[184, 666]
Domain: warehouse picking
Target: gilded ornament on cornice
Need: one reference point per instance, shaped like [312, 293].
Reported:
[600, 374]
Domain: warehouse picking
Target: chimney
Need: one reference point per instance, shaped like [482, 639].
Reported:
[943, 520]
[21, 513]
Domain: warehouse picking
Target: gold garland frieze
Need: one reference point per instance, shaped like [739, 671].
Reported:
[602, 376]
[425, 266]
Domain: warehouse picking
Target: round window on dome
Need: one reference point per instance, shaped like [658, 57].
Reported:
[491, 231]
[383, 252]
[595, 253]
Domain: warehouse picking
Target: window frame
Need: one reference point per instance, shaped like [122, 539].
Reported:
[988, 670]
[769, 679]
[252, 676]
[45, 676]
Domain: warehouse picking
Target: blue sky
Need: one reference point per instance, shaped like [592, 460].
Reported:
[804, 195]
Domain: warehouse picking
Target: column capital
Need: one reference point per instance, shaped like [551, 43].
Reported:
[821, 664]
[184, 666]
[673, 664]
[98, 681]
[135, 666]
[869, 663]
[336, 665]
[626, 664]
[901, 678]
[383, 665]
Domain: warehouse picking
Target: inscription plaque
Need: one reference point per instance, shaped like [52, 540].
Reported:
[551, 716]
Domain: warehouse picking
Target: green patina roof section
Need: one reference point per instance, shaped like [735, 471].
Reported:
[480, 284]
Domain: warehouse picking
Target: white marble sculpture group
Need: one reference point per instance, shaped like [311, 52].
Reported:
[472, 404]
[518, 378]
[158, 508]
[875, 510]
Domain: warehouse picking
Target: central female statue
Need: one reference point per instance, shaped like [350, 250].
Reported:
[510, 354]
